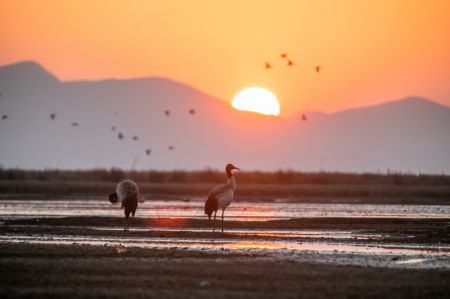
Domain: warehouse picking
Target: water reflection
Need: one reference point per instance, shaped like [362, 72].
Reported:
[243, 211]
[230, 244]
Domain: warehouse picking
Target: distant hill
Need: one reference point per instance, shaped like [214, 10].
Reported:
[405, 135]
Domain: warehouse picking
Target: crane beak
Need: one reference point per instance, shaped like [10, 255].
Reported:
[236, 168]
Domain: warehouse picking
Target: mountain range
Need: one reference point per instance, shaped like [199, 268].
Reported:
[201, 131]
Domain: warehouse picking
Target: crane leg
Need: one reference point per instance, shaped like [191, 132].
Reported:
[214, 222]
[125, 225]
[223, 211]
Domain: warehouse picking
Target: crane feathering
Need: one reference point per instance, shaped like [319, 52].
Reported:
[127, 192]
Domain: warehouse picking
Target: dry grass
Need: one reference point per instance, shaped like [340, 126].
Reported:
[296, 186]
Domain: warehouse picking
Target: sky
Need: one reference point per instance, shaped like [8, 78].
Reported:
[370, 51]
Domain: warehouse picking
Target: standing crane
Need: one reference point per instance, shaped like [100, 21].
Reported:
[221, 196]
[127, 192]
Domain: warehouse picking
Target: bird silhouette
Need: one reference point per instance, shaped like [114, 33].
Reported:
[220, 197]
[192, 111]
[290, 62]
[74, 124]
[317, 68]
[148, 151]
[171, 148]
[120, 136]
[113, 128]
[52, 116]
[167, 112]
[135, 138]
[283, 55]
[4, 116]
[127, 192]
[268, 66]
[304, 117]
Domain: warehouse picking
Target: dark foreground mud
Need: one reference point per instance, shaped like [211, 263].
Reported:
[57, 271]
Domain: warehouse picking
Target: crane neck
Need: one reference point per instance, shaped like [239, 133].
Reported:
[231, 182]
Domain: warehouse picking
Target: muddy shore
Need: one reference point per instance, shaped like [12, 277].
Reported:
[53, 257]
[435, 231]
[54, 271]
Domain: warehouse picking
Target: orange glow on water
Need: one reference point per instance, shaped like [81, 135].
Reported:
[169, 222]
[253, 245]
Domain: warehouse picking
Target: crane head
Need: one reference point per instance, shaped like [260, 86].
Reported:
[229, 168]
[113, 197]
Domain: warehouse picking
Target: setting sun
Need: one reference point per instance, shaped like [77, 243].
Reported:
[257, 99]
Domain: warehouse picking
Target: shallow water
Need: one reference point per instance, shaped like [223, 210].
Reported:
[229, 244]
[243, 211]
[374, 254]
[323, 246]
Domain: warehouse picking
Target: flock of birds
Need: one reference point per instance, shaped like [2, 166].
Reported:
[148, 151]
[289, 63]
[219, 198]
[120, 135]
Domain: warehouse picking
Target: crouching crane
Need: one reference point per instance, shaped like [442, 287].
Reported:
[127, 192]
[221, 196]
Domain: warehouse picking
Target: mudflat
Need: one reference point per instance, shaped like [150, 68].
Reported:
[91, 257]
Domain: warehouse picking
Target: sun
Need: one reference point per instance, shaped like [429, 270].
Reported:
[256, 99]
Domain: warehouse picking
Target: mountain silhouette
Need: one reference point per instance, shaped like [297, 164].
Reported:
[410, 134]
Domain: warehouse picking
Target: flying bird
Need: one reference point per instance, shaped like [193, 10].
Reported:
[120, 136]
[283, 55]
[192, 111]
[148, 151]
[4, 116]
[268, 66]
[221, 196]
[135, 138]
[317, 68]
[304, 117]
[167, 112]
[171, 148]
[290, 62]
[127, 192]
[113, 128]
[52, 116]
[74, 124]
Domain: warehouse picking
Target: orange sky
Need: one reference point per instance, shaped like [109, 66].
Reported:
[371, 51]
